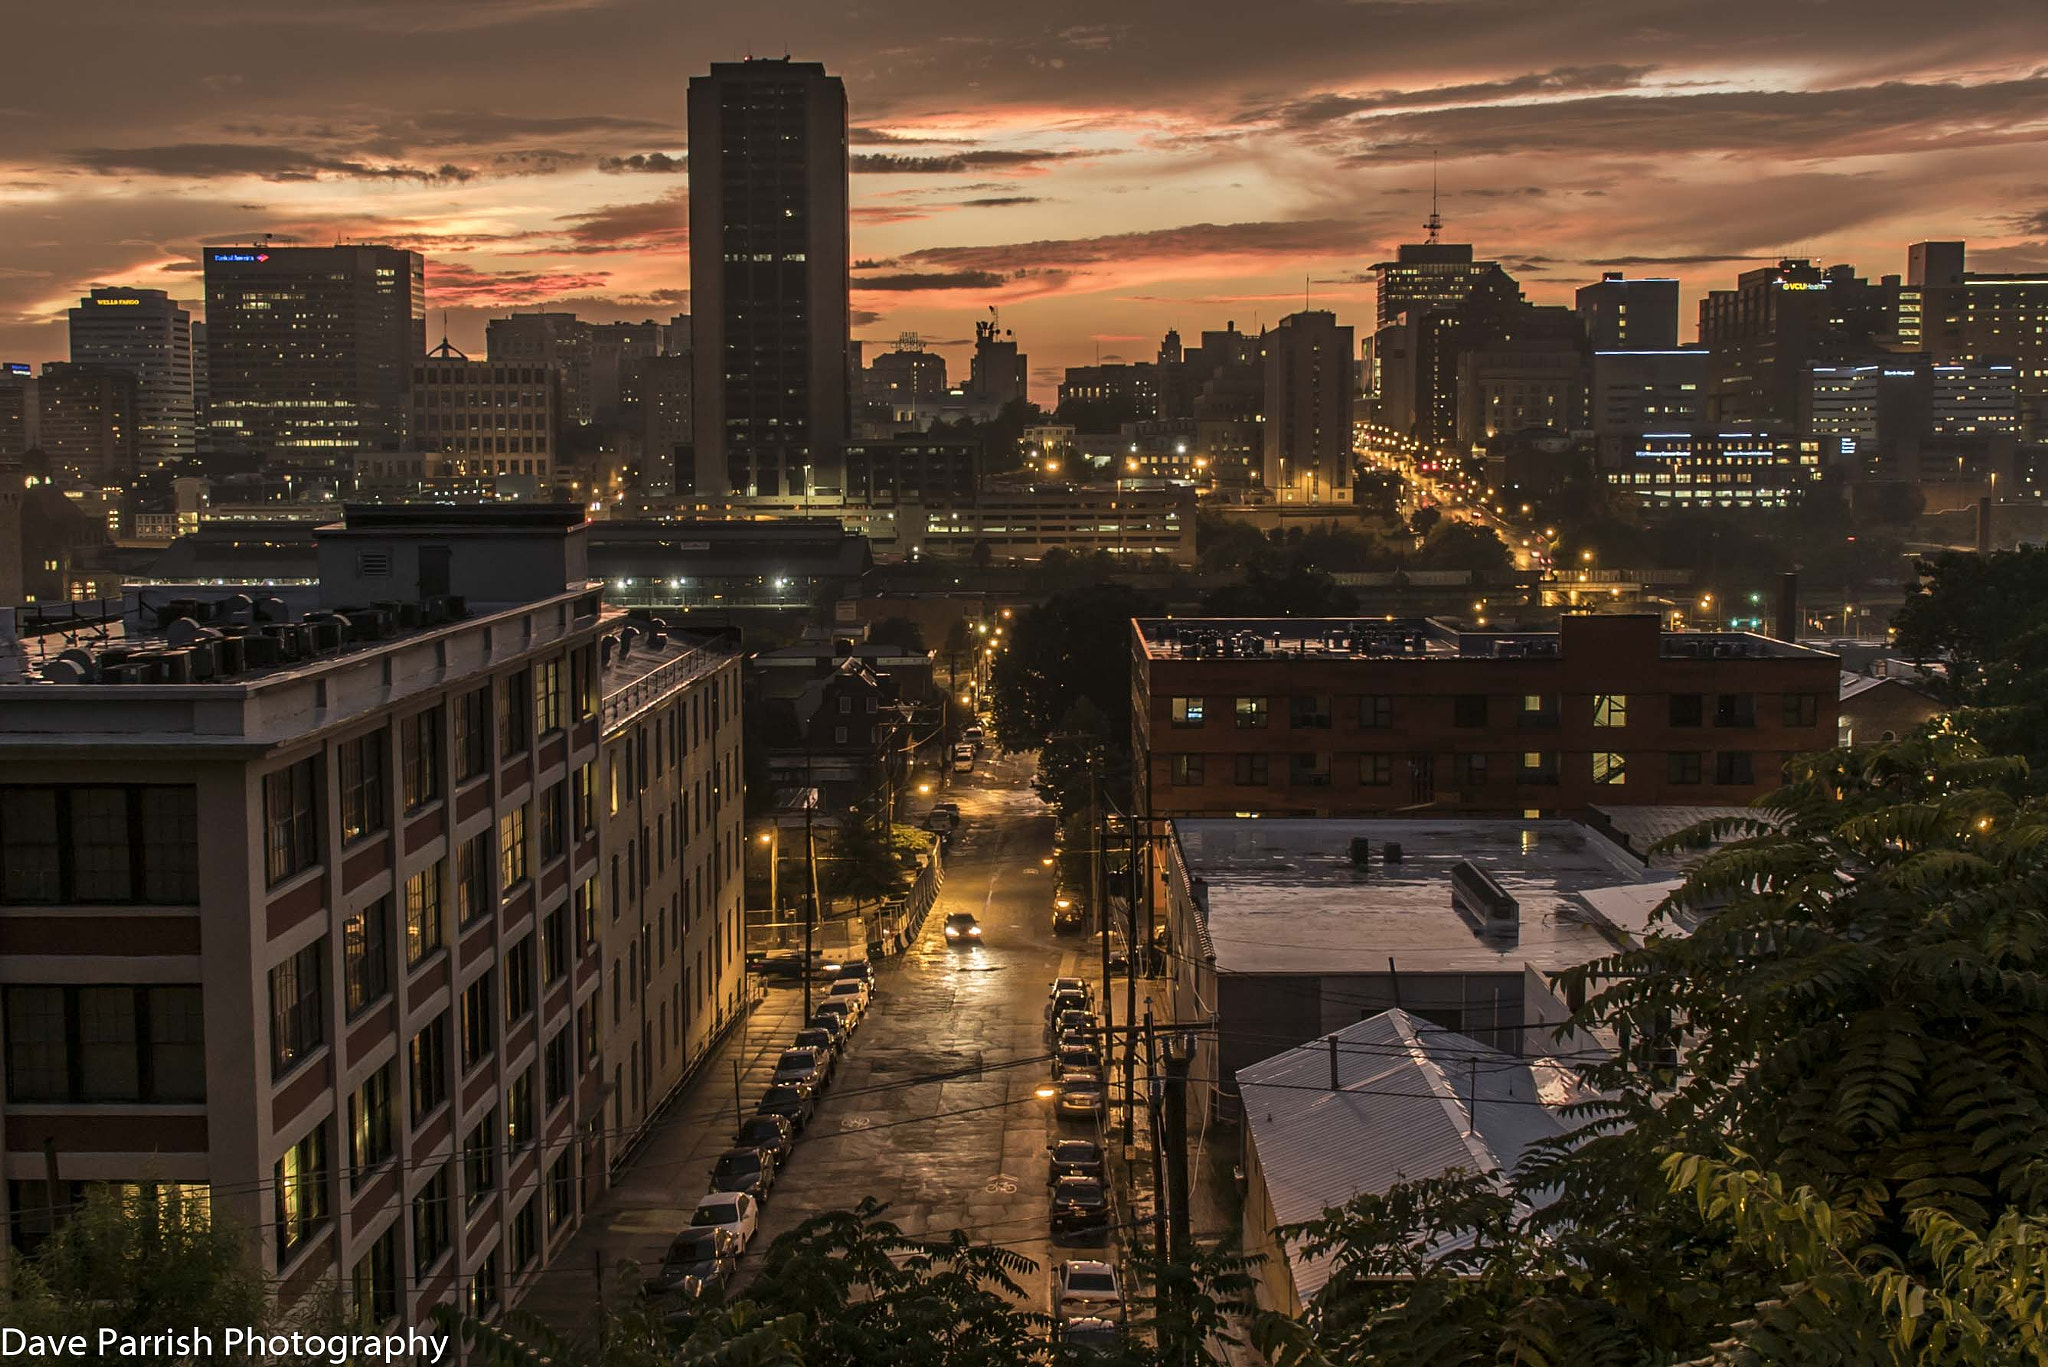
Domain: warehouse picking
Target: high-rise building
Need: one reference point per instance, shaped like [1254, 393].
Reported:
[1531, 375]
[1976, 317]
[1426, 275]
[202, 393]
[20, 428]
[1630, 315]
[1310, 379]
[485, 417]
[88, 421]
[145, 333]
[769, 276]
[309, 350]
[656, 391]
[906, 376]
[999, 373]
[1648, 391]
[1777, 321]
[560, 341]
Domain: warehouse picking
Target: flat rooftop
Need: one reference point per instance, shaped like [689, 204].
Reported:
[1380, 638]
[1285, 897]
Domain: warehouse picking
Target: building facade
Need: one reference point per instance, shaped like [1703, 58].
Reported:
[1310, 380]
[913, 469]
[87, 420]
[1715, 469]
[145, 333]
[1778, 320]
[1621, 314]
[485, 417]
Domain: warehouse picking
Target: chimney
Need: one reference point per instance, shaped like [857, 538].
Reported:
[1335, 1085]
[1786, 628]
[1984, 525]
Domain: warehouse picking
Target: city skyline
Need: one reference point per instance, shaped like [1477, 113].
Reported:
[1100, 175]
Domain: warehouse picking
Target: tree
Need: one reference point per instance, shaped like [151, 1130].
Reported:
[1986, 619]
[1074, 645]
[1897, 504]
[1462, 546]
[1423, 520]
[1299, 592]
[900, 632]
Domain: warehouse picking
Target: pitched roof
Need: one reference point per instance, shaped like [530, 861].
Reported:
[1404, 1109]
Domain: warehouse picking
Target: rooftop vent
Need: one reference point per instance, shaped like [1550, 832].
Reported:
[1475, 893]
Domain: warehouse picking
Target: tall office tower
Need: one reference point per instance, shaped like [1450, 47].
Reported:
[1310, 379]
[998, 373]
[200, 391]
[485, 417]
[1427, 275]
[1777, 321]
[679, 335]
[1974, 317]
[768, 276]
[1630, 315]
[1170, 351]
[655, 394]
[309, 350]
[560, 340]
[613, 346]
[145, 333]
[19, 429]
[88, 421]
[906, 376]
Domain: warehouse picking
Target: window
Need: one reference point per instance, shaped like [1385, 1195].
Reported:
[427, 1068]
[1538, 767]
[1471, 771]
[1376, 712]
[290, 821]
[1310, 771]
[519, 1126]
[479, 1027]
[301, 1192]
[553, 833]
[1468, 710]
[584, 907]
[554, 945]
[1687, 709]
[472, 734]
[1802, 709]
[547, 696]
[366, 956]
[1375, 771]
[419, 744]
[526, 1236]
[1187, 771]
[361, 762]
[423, 912]
[561, 1191]
[1734, 767]
[105, 1043]
[480, 1161]
[1537, 710]
[1310, 712]
[1610, 769]
[1251, 770]
[431, 1225]
[589, 1033]
[298, 1016]
[519, 980]
[514, 713]
[584, 797]
[472, 879]
[1735, 709]
[1188, 711]
[1610, 709]
[1685, 766]
[511, 850]
[80, 844]
[1251, 714]
[369, 1126]
[481, 1298]
[556, 1066]
[583, 683]
[376, 1281]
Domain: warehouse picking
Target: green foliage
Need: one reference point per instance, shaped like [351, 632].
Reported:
[1987, 617]
[1298, 592]
[1462, 546]
[1072, 646]
[901, 632]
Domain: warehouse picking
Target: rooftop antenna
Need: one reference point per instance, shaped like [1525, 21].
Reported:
[447, 351]
[1435, 221]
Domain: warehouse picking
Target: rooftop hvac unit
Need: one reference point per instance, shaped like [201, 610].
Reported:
[1475, 892]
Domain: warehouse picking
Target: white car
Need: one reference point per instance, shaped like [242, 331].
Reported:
[853, 992]
[732, 1211]
[1086, 1289]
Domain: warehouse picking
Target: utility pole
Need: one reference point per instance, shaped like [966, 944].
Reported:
[1130, 982]
[1154, 1087]
[811, 900]
[1180, 1052]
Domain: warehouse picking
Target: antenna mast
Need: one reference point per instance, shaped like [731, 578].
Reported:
[1435, 221]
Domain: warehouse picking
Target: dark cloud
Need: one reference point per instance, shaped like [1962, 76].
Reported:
[453, 283]
[999, 201]
[1328, 107]
[885, 137]
[862, 318]
[932, 280]
[957, 163]
[217, 160]
[652, 163]
[655, 225]
[1695, 260]
[1303, 237]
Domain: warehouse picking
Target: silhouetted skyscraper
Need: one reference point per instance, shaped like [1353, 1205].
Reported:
[769, 276]
[145, 333]
[1630, 315]
[1310, 379]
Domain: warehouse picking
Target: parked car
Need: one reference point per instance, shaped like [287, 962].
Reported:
[963, 759]
[801, 1064]
[1067, 914]
[941, 822]
[975, 737]
[834, 1025]
[733, 1211]
[697, 1260]
[840, 1007]
[1086, 1336]
[1070, 1022]
[1080, 1096]
[748, 1170]
[853, 992]
[1076, 1058]
[825, 1040]
[792, 1101]
[1086, 1288]
[1062, 1002]
[962, 929]
[789, 963]
[862, 969]
[770, 1133]
[1080, 1205]
[1075, 1158]
[951, 809]
[1081, 986]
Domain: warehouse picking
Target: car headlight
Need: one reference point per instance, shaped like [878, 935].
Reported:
[952, 933]
[974, 930]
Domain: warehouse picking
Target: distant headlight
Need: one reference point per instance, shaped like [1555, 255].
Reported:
[974, 930]
[952, 933]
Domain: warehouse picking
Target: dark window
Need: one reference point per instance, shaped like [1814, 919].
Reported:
[1376, 711]
[1734, 767]
[480, 1161]
[1735, 709]
[554, 945]
[1308, 771]
[1687, 709]
[472, 879]
[361, 765]
[519, 1126]
[301, 1192]
[298, 1014]
[1251, 770]
[105, 1044]
[553, 830]
[1802, 709]
[369, 1126]
[561, 1191]
[1537, 710]
[291, 820]
[1538, 767]
[479, 1026]
[472, 734]
[419, 742]
[1685, 766]
[1468, 710]
[376, 1281]
[1251, 714]
[1375, 771]
[427, 1068]
[110, 844]
[526, 1236]
[423, 929]
[583, 682]
[1187, 770]
[366, 956]
[1471, 771]
[481, 1298]
[519, 980]
[514, 713]
[556, 1065]
[431, 1223]
[1311, 712]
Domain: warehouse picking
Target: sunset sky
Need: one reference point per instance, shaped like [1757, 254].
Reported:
[1099, 171]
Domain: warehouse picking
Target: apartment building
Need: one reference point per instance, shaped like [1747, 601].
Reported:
[671, 922]
[1330, 717]
[301, 909]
